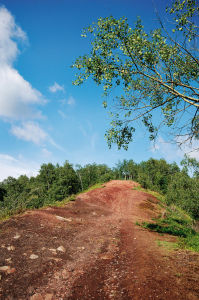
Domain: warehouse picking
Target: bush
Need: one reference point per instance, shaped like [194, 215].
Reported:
[184, 192]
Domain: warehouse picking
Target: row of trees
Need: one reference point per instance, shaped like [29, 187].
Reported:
[54, 183]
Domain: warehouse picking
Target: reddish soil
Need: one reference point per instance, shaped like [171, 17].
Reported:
[106, 256]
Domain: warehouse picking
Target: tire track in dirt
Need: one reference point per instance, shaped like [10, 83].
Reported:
[106, 255]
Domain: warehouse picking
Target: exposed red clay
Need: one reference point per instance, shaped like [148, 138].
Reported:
[104, 254]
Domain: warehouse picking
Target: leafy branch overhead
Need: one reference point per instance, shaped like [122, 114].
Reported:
[158, 71]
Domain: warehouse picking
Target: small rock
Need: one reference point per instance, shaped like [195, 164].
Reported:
[3, 246]
[10, 248]
[53, 258]
[63, 219]
[4, 268]
[48, 296]
[64, 272]
[17, 236]
[53, 250]
[10, 271]
[83, 248]
[0, 277]
[43, 248]
[60, 218]
[37, 297]
[33, 256]
[61, 249]
[8, 259]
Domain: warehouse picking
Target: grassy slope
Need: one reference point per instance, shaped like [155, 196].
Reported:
[176, 222]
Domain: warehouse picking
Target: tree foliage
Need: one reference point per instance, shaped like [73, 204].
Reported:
[158, 70]
[56, 183]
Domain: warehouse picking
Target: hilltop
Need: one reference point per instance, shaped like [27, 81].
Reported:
[91, 249]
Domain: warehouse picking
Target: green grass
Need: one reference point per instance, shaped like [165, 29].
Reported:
[177, 223]
[96, 186]
[153, 193]
[169, 245]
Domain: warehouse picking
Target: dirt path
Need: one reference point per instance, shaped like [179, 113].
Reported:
[92, 249]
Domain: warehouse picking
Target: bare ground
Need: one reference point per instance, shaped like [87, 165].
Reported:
[103, 254]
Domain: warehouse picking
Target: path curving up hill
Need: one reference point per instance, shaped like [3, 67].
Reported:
[92, 249]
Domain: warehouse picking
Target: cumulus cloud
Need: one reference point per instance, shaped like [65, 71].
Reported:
[17, 95]
[56, 87]
[9, 31]
[9, 166]
[31, 131]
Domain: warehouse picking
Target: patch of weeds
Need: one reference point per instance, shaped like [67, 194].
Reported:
[160, 205]
[137, 188]
[96, 186]
[178, 274]
[71, 198]
[151, 200]
[159, 243]
[169, 226]
[156, 195]
[137, 223]
[176, 223]
[169, 245]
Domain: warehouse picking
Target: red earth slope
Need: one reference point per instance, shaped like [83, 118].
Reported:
[92, 249]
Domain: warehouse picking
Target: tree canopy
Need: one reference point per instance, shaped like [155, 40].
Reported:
[158, 71]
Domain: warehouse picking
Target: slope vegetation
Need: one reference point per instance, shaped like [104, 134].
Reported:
[92, 249]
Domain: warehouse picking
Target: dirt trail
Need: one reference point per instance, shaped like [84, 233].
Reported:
[92, 249]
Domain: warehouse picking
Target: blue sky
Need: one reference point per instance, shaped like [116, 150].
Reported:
[43, 117]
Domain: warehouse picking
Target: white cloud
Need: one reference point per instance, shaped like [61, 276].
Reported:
[9, 166]
[62, 102]
[56, 87]
[62, 114]
[8, 31]
[46, 152]
[30, 131]
[71, 101]
[171, 152]
[82, 129]
[91, 138]
[17, 95]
